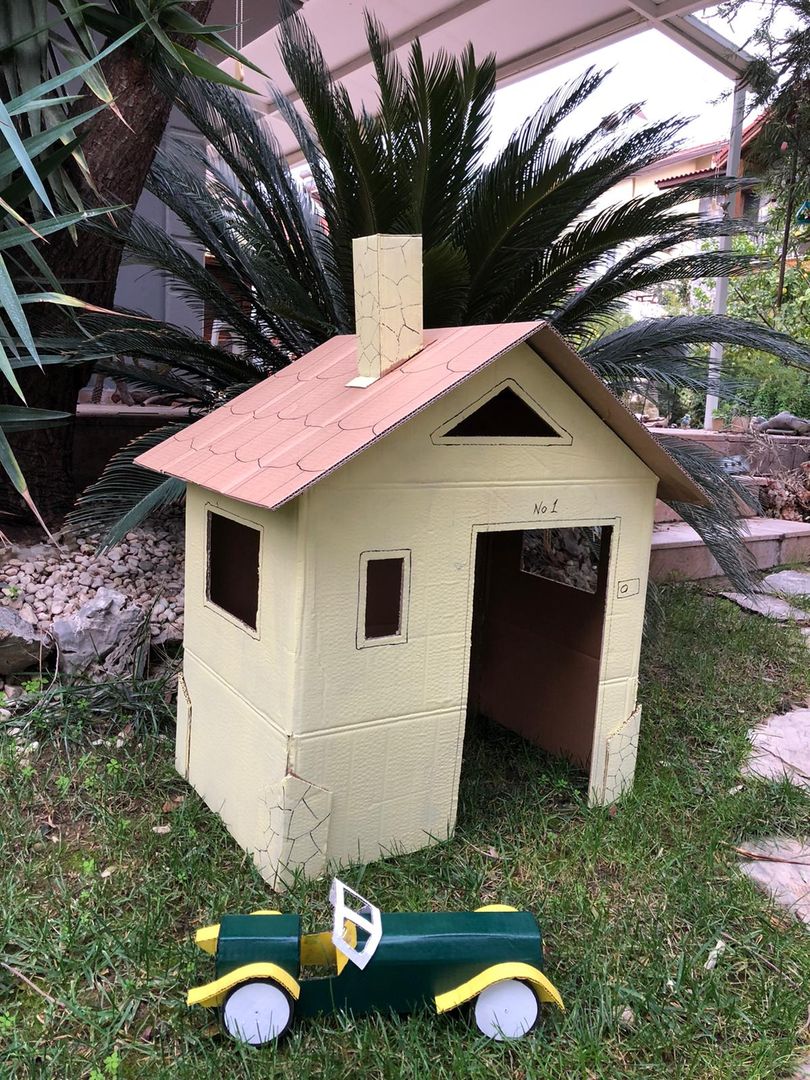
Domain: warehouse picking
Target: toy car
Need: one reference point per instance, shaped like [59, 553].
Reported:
[266, 971]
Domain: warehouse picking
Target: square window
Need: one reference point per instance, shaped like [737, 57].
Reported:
[233, 568]
[384, 585]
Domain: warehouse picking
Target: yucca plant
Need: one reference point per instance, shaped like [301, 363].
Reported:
[41, 42]
[34, 205]
[513, 237]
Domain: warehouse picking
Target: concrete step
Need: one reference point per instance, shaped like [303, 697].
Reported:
[678, 553]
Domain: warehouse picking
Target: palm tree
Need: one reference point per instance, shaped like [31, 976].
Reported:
[509, 238]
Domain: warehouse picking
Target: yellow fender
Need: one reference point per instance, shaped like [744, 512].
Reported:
[451, 999]
[207, 937]
[214, 993]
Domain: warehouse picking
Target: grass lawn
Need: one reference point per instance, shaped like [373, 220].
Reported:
[98, 909]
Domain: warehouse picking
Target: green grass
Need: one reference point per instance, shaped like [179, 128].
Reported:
[797, 600]
[630, 902]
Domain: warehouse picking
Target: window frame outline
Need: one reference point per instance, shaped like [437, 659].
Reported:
[372, 555]
[439, 437]
[213, 508]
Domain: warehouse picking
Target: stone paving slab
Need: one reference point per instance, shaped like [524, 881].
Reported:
[781, 867]
[773, 607]
[788, 583]
[780, 748]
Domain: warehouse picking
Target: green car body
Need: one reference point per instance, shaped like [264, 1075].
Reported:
[420, 957]
[402, 962]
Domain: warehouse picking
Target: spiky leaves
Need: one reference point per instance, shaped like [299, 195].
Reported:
[529, 232]
[126, 494]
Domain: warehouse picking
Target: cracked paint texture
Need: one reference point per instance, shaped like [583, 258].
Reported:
[388, 301]
[620, 758]
[298, 832]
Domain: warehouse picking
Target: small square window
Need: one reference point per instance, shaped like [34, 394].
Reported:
[233, 568]
[384, 586]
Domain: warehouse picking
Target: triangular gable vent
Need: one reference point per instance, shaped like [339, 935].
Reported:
[505, 414]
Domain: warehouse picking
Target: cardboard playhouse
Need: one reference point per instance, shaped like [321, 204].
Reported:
[373, 546]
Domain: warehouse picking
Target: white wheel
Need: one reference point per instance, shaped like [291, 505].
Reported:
[257, 1012]
[506, 1010]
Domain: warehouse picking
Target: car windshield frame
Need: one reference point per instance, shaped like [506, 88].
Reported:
[366, 917]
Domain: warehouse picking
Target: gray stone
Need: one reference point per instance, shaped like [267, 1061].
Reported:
[781, 748]
[781, 424]
[27, 614]
[781, 866]
[167, 634]
[773, 607]
[94, 630]
[788, 583]
[802, 1071]
[22, 645]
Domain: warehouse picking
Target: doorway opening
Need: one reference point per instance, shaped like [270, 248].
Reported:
[537, 627]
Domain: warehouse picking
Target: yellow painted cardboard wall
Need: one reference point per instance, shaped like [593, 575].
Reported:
[314, 745]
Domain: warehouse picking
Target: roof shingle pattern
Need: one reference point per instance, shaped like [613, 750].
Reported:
[276, 439]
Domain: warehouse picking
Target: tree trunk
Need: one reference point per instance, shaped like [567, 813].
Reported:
[119, 158]
[783, 253]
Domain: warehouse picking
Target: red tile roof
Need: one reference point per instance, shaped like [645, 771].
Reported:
[272, 442]
[718, 150]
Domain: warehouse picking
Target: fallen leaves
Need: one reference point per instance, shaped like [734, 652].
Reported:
[489, 853]
[714, 955]
[627, 1020]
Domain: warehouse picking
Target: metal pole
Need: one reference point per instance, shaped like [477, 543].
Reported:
[721, 289]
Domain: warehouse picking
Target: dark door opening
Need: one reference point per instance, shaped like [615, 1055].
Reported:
[538, 618]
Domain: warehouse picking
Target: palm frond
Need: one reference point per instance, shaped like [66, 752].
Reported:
[718, 525]
[527, 233]
[644, 339]
[126, 494]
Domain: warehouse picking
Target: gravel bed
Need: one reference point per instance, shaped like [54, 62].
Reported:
[44, 582]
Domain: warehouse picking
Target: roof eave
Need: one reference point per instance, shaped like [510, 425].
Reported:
[674, 484]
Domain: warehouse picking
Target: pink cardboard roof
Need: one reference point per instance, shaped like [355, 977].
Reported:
[272, 442]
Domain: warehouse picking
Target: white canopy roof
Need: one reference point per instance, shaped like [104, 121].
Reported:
[527, 36]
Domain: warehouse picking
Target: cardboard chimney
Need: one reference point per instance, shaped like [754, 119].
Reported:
[388, 303]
